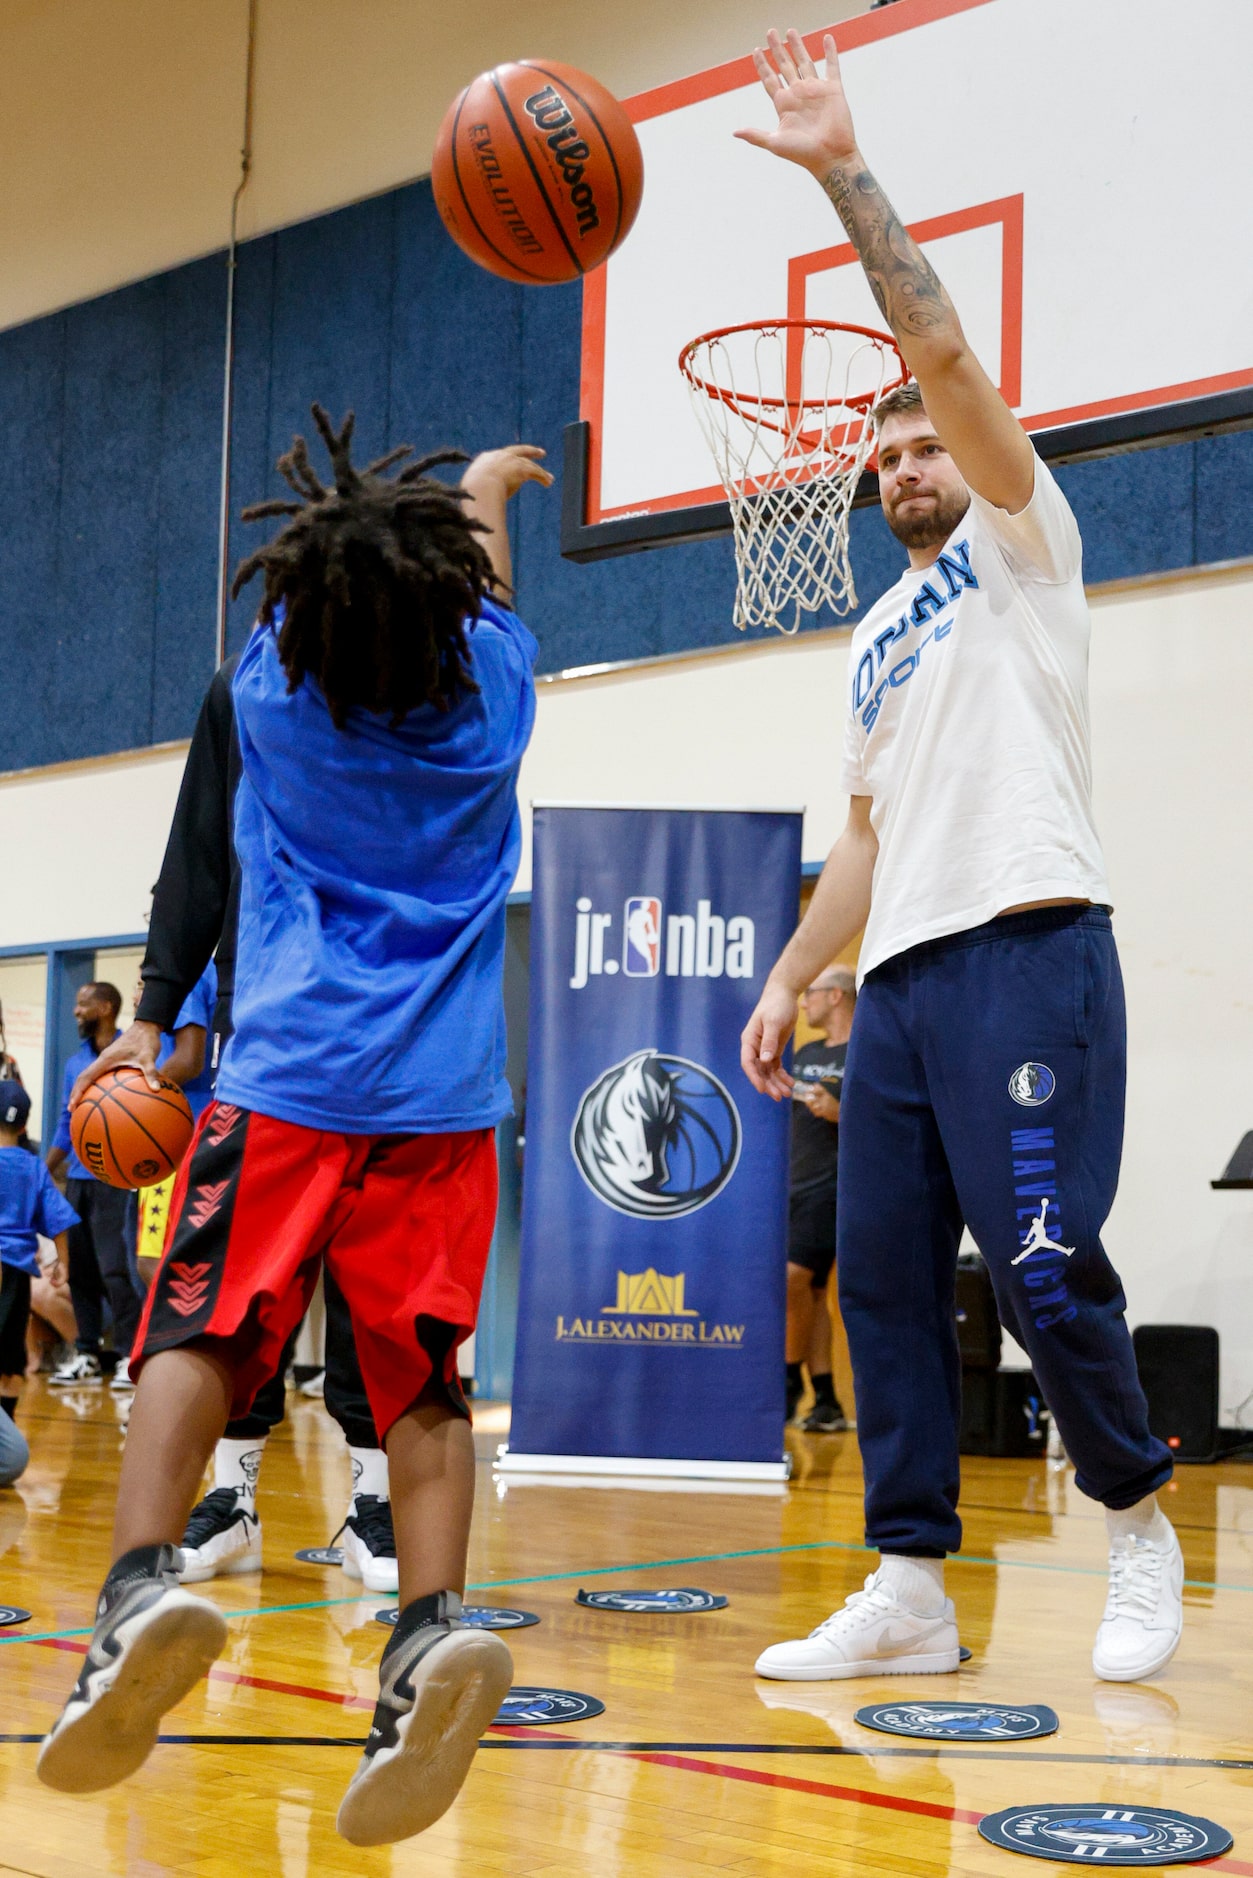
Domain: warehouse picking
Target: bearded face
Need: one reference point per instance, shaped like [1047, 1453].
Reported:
[920, 487]
[923, 523]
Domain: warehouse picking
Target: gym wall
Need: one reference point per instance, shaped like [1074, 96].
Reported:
[122, 159]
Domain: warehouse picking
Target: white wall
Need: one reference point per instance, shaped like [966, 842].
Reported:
[1172, 679]
[81, 844]
[1172, 675]
[121, 120]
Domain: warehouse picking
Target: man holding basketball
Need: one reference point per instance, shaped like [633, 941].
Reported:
[986, 1069]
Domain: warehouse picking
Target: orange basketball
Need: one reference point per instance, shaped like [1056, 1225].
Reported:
[537, 172]
[129, 1135]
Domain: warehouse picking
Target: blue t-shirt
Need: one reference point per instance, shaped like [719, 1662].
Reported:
[375, 866]
[29, 1205]
[197, 1009]
[85, 1054]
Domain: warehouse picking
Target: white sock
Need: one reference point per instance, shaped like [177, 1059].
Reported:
[1144, 1520]
[237, 1463]
[917, 1583]
[369, 1472]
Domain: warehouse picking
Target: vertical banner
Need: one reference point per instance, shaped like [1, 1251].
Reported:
[654, 1209]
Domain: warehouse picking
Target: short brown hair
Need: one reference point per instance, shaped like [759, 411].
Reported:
[902, 401]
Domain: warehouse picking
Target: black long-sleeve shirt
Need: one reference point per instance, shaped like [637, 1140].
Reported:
[195, 907]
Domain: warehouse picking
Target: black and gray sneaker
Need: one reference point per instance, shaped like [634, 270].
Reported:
[440, 1685]
[825, 1418]
[152, 1643]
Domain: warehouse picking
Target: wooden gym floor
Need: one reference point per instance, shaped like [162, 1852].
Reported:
[695, 1767]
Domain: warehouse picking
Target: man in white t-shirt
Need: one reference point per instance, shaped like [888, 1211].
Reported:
[986, 1070]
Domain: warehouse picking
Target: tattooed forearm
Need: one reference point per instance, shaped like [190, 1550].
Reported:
[901, 278]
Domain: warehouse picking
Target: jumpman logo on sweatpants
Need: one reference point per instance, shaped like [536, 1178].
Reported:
[1038, 1239]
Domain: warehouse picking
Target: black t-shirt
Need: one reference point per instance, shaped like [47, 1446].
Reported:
[195, 906]
[814, 1141]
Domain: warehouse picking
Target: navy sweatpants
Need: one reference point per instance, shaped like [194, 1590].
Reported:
[985, 1084]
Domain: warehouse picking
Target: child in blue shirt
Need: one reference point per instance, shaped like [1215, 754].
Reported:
[30, 1205]
[383, 703]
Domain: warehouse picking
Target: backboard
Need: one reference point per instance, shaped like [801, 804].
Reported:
[1078, 172]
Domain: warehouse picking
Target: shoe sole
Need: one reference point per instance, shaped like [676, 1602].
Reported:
[158, 1666]
[76, 1382]
[229, 1568]
[458, 1689]
[941, 1663]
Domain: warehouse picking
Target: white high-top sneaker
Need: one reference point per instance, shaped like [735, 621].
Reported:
[872, 1635]
[223, 1537]
[369, 1543]
[1143, 1618]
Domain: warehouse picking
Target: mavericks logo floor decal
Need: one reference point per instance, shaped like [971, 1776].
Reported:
[655, 1603]
[1106, 1835]
[534, 1707]
[959, 1721]
[477, 1616]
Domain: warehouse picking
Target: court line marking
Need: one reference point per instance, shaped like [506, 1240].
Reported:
[570, 1744]
[687, 1763]
[662, 1564]
[218, 1672]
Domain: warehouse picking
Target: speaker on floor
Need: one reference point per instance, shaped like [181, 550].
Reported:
[1003, 1414]
[978, 1325]
[1178, 1365]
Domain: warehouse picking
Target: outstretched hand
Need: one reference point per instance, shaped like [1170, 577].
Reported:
[136, 1048]
[764, 1039]
[506, 470]
[815, 127]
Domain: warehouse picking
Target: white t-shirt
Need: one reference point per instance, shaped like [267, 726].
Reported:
[968, 728]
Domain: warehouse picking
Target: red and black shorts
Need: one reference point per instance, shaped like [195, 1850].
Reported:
[404, 1223]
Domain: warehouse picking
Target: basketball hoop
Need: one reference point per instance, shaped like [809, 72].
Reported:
[785, 408]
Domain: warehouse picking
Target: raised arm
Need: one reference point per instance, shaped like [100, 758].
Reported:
[836, 915]
[490, 480]
[815, 130]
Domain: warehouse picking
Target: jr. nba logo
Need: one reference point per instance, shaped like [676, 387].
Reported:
[642, 942]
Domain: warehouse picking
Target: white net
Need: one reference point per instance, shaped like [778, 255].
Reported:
[784, 408]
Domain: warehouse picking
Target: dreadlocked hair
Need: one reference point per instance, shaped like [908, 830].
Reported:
[379, 578]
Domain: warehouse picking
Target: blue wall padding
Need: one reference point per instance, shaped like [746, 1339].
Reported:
[110, 416]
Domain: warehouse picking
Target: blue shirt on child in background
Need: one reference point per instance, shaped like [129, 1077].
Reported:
[376, 862]
[30, 1204]
[197, 1008]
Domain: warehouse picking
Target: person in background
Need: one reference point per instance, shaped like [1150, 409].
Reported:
[818, 1067]
[182, 1058]
[99, 1264]
[29, 1205]
[9, 1071]
[51, 1313]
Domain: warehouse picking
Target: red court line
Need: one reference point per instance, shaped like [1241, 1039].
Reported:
[890, 1802]
[722, 1770]
[218, 1673]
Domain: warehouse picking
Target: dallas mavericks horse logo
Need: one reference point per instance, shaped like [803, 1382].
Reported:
[1031, 1084]
[656, 1136]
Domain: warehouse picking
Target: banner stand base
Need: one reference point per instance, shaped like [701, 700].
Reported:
[771, 1472]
